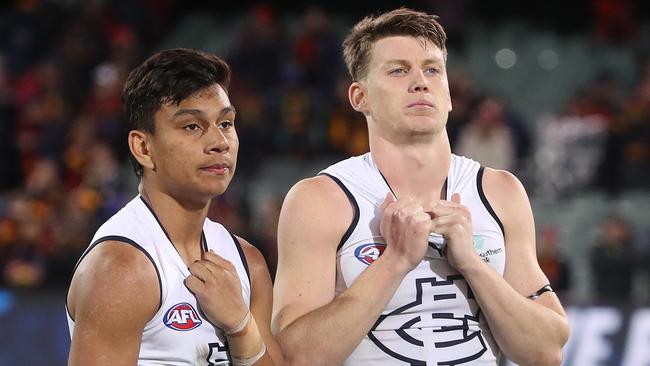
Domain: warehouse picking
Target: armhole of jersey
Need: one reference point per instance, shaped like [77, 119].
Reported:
[120, 239]
[244, 261]
[488, 207]
[355, 207]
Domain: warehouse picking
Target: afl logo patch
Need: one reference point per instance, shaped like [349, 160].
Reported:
[182, 317]
[369, 253]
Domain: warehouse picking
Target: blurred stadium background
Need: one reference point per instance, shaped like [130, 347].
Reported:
[556, 91]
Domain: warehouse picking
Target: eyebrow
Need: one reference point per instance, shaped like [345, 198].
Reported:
[201, 114]
[406, 62]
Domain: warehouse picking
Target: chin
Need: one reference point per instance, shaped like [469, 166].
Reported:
[219, 190]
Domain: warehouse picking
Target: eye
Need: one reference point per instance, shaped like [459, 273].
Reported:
[398, 71]
[226, 124]
[192, 127]
[432, 70]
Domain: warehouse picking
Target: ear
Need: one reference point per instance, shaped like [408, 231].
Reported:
[357, 95]
[139, 146]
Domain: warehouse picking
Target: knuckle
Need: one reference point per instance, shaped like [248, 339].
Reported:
[229, 266]
[399, 212]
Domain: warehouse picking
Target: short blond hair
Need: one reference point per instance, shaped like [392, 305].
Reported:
[399, 22]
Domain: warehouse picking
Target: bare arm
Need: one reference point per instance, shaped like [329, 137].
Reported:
[307, 316]
[530, 332]
[112, 296]
[261, 303]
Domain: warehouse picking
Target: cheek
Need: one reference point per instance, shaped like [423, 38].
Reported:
[234, 143]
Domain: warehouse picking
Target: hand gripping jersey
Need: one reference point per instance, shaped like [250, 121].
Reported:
[433, 317]
[179, 333]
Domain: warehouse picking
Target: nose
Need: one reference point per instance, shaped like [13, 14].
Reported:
[218, 142]
[419, 82]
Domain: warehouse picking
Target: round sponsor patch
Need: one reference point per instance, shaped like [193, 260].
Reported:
[368, 253]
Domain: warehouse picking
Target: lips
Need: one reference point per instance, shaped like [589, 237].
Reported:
[421, 103]
[219, 168]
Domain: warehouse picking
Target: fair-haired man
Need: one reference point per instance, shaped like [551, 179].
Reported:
[410, 255]
[161, 284]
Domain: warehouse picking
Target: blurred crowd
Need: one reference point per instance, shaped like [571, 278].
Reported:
[64, 165]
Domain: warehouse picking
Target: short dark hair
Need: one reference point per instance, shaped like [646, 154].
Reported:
[169, 76]
[399, 22]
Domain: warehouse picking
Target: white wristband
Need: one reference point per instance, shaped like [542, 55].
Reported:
[251, 360]
[242, 324]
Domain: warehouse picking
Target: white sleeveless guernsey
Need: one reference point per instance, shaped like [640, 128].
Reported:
[433, 317]
[179, 333]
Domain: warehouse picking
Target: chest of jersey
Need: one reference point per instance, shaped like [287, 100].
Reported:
[433, 317]
[180, 333]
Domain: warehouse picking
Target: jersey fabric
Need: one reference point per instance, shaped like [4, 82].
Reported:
[179, 333]
[433, 317]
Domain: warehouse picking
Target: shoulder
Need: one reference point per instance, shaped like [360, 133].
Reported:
[321, 186]
[256, 262]
[118, 271]
[321, 192]
[507, 196]
[315, 206]
[502, 183]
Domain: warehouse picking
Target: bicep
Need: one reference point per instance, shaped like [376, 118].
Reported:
[312, 222]
[113, 299]
[510, 201]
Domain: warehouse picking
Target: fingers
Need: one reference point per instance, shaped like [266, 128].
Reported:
[209, 266]
[201, 270]
[443, 207]
[214, 257]
[195, 285]
[450, 217]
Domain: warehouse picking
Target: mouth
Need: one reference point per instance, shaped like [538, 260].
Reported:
[420, 104]
[217, 169]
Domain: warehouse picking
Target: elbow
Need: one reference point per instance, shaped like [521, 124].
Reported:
[300, 360]
[554, 358]
[541, 358]
[295, 356]
[555, 354]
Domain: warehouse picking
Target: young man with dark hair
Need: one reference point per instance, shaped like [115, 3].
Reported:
[410, 255]
[161, 284]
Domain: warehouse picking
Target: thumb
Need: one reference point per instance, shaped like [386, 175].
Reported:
[455, 198]
[388, 200]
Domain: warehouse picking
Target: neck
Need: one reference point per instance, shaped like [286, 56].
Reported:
[418, 170]
[183, 221]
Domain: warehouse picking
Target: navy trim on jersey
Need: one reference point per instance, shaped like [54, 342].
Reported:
[243, 257]
[481, 194]
[386, 181]
[204, 243]
[120, 239]
[204, 246]
[158, 221]
[355, 206]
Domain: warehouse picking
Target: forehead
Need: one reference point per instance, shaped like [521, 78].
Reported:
[209, 101]
[404, 48]
[212, 94]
